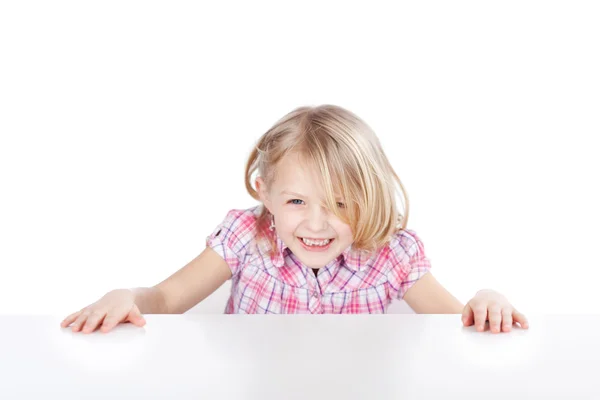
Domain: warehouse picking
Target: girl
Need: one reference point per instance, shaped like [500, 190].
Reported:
[327, 237]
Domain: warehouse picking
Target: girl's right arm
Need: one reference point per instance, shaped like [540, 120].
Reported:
[175, 295]
[194, 282]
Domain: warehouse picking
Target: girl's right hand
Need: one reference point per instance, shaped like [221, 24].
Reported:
[117, 306]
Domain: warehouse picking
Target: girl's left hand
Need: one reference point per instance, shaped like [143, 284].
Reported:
[492, 306]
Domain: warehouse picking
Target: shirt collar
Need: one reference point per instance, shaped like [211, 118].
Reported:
[355, 260]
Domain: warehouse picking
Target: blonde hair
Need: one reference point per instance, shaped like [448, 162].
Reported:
[349, 157]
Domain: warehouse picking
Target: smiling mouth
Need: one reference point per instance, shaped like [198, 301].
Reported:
[312, 244]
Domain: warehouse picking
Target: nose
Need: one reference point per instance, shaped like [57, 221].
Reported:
[317, 219]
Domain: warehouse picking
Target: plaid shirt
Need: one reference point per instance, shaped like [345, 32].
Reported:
[351, 283]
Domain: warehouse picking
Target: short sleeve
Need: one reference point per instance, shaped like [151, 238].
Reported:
[408, 262]
[232, 237]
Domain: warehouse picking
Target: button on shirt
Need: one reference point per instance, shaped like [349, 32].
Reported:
[353, 282]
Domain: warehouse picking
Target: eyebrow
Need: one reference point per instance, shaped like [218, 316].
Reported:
[292, 193]
[301, 195]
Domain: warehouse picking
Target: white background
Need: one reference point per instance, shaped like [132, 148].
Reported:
[125, 128]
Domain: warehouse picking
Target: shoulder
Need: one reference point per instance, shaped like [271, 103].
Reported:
[234, 234]
[404, 246]
[406, 262]
[238, 223]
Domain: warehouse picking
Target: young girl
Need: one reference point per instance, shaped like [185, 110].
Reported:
[327, 238]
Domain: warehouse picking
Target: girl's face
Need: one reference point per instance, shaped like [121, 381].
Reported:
[300, 214]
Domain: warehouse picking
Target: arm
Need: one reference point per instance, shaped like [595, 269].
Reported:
[149, 300]
[428, 296]
[186, 287]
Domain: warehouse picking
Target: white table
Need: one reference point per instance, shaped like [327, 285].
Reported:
[300, 357]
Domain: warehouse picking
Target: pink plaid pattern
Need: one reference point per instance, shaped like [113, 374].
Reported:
[351, 283]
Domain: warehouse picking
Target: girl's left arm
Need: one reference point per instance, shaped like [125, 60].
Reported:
[428, 296]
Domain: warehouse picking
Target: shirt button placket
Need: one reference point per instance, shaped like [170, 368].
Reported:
[315, 304]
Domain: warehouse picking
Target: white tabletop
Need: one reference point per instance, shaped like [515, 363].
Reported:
[300, 357]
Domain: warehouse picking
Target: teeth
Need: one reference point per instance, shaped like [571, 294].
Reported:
[316, 242]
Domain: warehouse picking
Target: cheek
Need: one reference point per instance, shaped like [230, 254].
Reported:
[348, 235]
[287, 223]
[344, 231]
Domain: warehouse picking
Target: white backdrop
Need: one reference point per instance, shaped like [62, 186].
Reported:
[125, 128]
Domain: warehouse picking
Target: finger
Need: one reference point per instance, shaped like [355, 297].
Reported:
[141, 321]
[67, 321]
[93, 320]
[110, 322]
[495, 318]
[521, 319]
[467, 315]
[80, 321]
[507, 319]
[480, 314]
[135, 316]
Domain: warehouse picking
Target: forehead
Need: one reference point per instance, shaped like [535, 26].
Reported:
[295, 174]
[295, 167]
[300, 177]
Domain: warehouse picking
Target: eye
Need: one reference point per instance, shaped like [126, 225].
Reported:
[341, 205]
[292, 201]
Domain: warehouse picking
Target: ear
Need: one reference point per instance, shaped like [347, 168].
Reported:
[261, 188]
